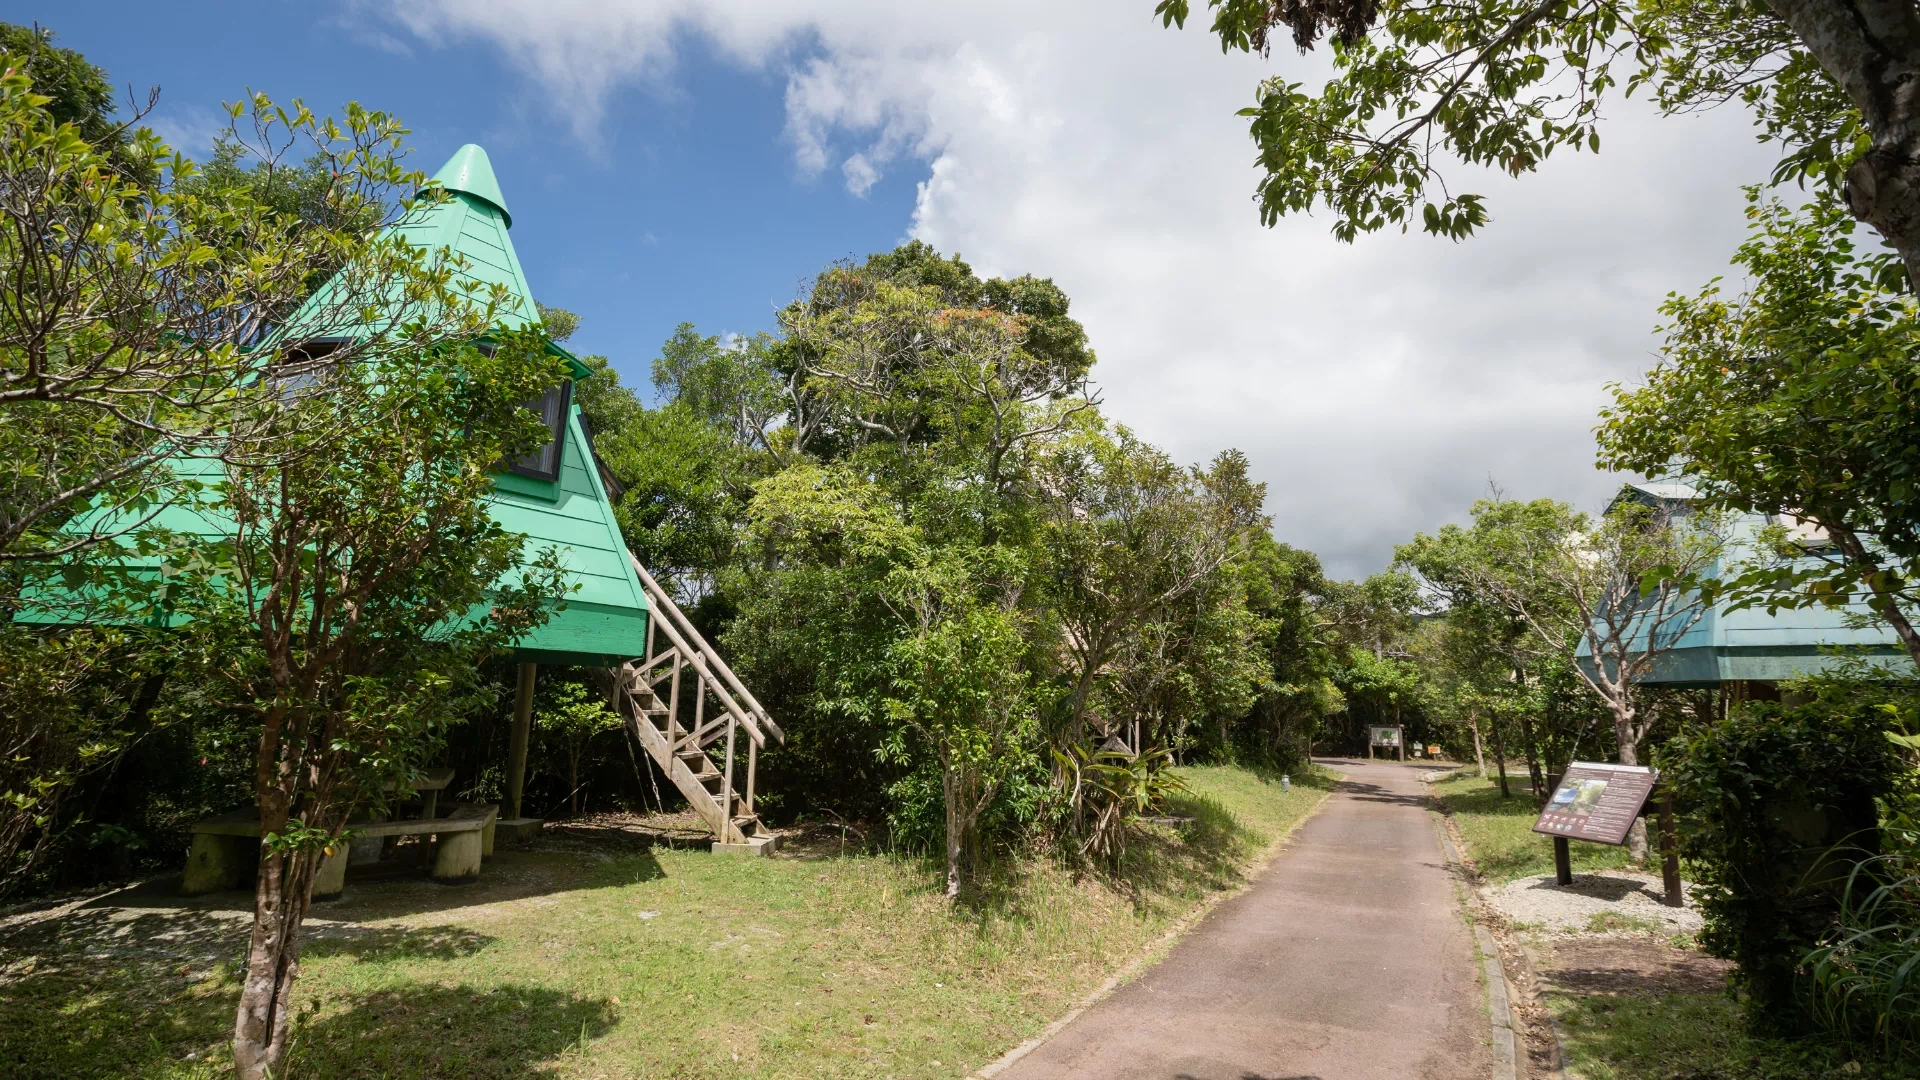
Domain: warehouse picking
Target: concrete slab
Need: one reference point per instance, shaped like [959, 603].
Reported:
[515, 830]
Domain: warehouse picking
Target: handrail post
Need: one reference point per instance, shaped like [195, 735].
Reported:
[699, 708]
[726, 788]
[753, 758]
[674, 614]
[673, 705]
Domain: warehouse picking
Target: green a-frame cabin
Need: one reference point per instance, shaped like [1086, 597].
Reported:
[615, 617]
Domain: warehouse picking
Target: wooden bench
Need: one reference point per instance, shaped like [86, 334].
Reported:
[227, 846]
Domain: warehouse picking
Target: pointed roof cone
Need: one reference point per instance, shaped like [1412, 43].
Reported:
[468, 171]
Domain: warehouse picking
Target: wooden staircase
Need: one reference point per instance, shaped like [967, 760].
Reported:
[682, 733]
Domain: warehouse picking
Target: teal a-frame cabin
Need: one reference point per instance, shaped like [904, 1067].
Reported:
[1749, 652]
[615, 616]
[555, 496]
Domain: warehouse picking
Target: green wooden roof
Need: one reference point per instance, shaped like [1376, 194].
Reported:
[1753, 643]
[605, 618]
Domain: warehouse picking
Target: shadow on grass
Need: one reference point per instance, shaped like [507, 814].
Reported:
[1696, 1037]
[454, 1032]
[396, 888]
[135, 997]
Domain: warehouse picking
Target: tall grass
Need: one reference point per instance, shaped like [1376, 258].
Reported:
[1866, 975]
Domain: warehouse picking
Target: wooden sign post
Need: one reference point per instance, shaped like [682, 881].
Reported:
[1388, 737]
[1599, 803]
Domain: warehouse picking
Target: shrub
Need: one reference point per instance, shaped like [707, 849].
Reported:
[1779, 804]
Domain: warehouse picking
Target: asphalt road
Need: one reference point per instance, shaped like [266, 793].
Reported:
[1348, 959]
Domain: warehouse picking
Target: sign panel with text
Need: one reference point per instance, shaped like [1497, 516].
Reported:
[1596, 802]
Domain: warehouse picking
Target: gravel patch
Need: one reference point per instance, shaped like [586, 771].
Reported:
[1605, 902]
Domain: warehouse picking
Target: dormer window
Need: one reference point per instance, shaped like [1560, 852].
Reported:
[552, 408]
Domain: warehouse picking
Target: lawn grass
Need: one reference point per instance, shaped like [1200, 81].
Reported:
[1499, 832]
[1693, 1037]
[658, 964]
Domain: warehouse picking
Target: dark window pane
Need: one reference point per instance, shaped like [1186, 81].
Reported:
[552, 406]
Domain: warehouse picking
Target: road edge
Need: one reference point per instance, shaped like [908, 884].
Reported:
[1148, 955]
[1506, 1042]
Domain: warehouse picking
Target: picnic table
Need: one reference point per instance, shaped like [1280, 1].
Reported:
[226, 847]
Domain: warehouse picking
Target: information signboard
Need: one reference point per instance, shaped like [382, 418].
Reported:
[1385, 736]
[1596, 802]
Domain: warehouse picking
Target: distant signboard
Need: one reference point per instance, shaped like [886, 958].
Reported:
[1385, 736]
[1596, 802]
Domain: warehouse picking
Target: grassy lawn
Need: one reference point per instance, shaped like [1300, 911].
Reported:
[1694, 1037]
[1499, 832]
[643, 962]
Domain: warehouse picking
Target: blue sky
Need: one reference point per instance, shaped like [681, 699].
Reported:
[688, 208]
[699, 160]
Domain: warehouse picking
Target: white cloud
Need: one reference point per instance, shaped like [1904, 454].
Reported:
[1376, 386]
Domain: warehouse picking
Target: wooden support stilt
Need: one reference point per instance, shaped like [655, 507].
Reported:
[1562, 861]
[517, 742]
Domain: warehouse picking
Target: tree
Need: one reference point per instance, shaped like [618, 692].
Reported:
[348, 609]
[1505, 83]
[570, 717]
[688, 485]
[1626, 587]
[1285, 589]
[78, 93]
[959, 680]
[1797, 400]
[145, 317]
[1128, 535]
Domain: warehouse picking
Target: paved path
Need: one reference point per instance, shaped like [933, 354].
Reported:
[1348, 959]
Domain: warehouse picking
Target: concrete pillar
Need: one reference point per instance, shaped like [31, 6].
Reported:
[219, 862]
[517, 745]
[331, 879]
[456, 858]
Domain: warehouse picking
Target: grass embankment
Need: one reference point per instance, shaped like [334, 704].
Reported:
[1625, 1021]
[645, 963]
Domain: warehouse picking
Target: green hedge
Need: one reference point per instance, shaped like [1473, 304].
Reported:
[1779, 802]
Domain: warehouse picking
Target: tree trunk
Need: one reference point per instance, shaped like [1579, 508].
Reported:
[1886, 603]
[280, 902]
[1630, 755]
[573, 783]
[956, 829]
[1479, 751]
[1500, 758]
[1536, 776]
[1871, 48]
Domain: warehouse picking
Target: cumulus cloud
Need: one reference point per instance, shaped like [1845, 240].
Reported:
[1377, 387]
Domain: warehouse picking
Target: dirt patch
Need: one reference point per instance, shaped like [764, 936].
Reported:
[1592, 964]
[151, 923]
[1602, 965]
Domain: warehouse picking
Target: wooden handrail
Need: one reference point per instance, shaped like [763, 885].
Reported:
[696, 659]
[659, 596]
